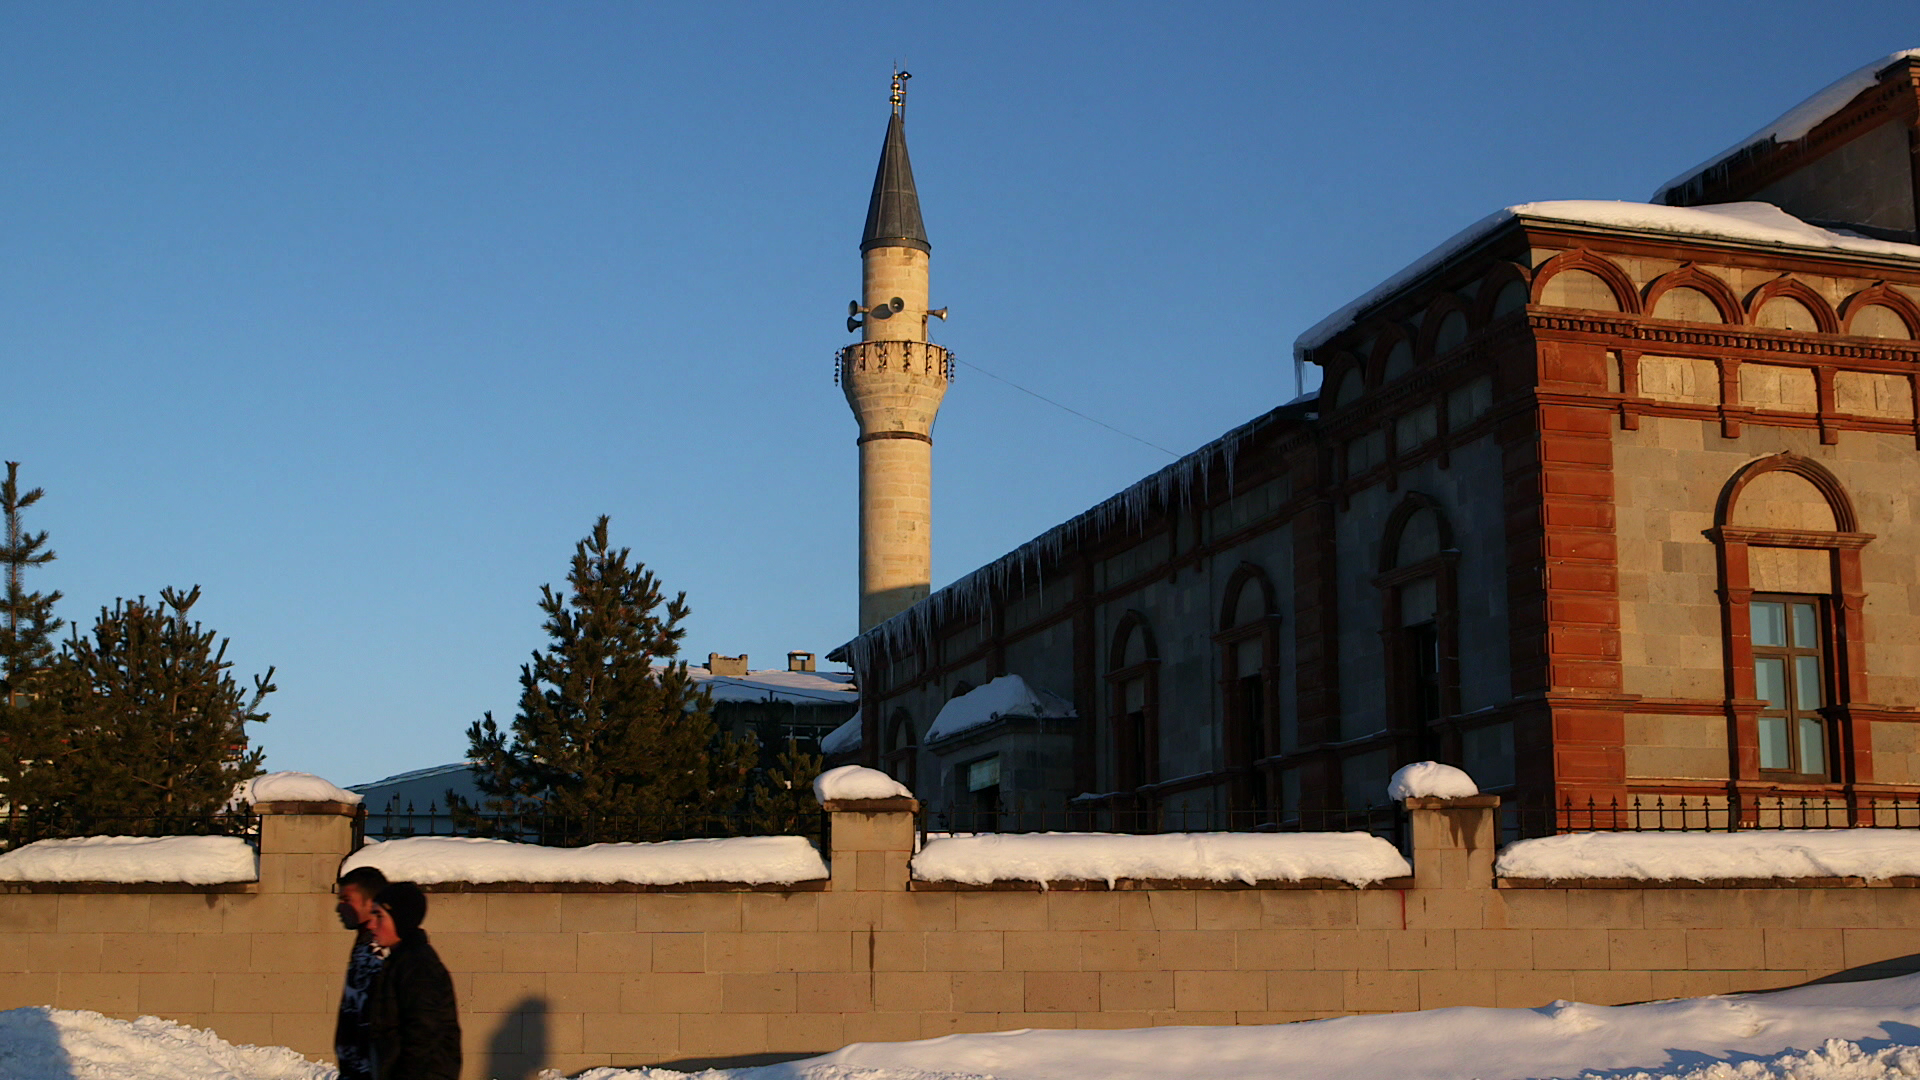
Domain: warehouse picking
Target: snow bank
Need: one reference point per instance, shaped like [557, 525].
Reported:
[1816, 1033]
[1355, 858]
[41, 1043]
[857, 782]
[751, 860]
[1431, 780]
[1874, 854]
[1749, 222]
[292, 787]
[183, 860]
[845, 738]
[1797, 122]
[1008, 695]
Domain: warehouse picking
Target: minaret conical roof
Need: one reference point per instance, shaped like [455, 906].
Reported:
[893, 214]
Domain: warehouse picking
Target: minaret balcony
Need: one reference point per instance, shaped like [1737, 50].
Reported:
[866, 359]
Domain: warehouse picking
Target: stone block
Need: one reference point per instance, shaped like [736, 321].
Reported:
[1612, 987]
[304, 1033]
[83, 913]
[1646, 950]
[1200, 950]
[1273, 950]
[1306, 991]
[244, 914]
[1121, 950]
[268, 952]
[834, 991]
[1350, 950]
[1082, 911]
[1530, 989]
[1570, 950]
[1220, 990]
[616, 952]
[1059, 991]
[582, 913]
[623, 1034]
[1805, 949]
[22, 990]
[742, 952]
[181, 913]
[264, 993]
[898, 951]
[687, 912]
[520, 913]
[1605, 909]
[881, 1027]
[977, 950]
[1112, 1019]
[1308, 909]
[846, 911]
[1000, 911]
[813, 952]
[1725, 949]
[1382, 991]
[1174, 909]
[1482, 950]
[1381, 909]
[1139, 990]
[174, 994]
[52, 953]
[913, 991]
[758, 993]
[1227, 910]
[988, 991]
[506, 991]
[679, 952]
[1042, 950]
[668, 992]
[583, 992]
[1533, 908]
[800, 1033]
[1442, 909]
[540, 952]
[917, 911]
[1836, 909]
[1443, 989]
[234, 952]
[1882, 946]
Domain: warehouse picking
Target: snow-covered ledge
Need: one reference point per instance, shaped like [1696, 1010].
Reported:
[870, 825]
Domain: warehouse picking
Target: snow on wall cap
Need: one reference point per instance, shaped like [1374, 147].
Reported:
[1008, 695]
[293, 787]
[1799, 121]
[1431, 780]
[857, 782]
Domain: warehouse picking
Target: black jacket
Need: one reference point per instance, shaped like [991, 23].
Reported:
[412, 1017]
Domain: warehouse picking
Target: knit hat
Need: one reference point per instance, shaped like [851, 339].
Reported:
[406, 903]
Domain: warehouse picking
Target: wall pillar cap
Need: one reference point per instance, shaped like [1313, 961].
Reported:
[1469, 802]
[897, 804]
[312, 808]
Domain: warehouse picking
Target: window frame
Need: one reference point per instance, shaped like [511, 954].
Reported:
[1792, 712]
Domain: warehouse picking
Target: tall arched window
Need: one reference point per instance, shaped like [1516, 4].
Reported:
[1789, 546]
[1420, 628]
[1133, 692]
[900, 749]
[1249, 657]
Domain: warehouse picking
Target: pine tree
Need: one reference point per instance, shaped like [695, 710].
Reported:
[613, 740]
[783, 802]
[29, 721]
[156, 722]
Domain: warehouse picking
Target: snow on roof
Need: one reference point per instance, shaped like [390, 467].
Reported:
[432, 771]
[1430, 780]
[1355, 858]
[844, 739]
[753, 860]
[184, 860]
[1008, 695]
[293, 787]
[1744, 222]
[855, 782]
[1798, 121]
[797, 687]
[1874, 854]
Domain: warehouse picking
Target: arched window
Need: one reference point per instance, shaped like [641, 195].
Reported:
[1249, 657]
[1789, 547]
[1420, 624]
[1133, 691]
[900, 749]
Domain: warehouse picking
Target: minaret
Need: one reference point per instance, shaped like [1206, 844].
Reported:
[894, 379]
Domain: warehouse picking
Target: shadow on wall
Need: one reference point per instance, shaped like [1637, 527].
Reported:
[30, 1046]
[518, 1048]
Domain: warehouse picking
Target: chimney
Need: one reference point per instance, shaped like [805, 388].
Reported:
[726, 665]
[799, 661]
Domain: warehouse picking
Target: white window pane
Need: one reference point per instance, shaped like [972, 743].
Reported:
[1770, 680]
[1806, 683]
[1813, 746]
[1806, 634]
[1773, 743]
[1769, 622]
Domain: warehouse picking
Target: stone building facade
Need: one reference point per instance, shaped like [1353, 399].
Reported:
[1598, 500]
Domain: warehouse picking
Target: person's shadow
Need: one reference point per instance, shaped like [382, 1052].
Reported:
[518, 1048]
[30, 1045]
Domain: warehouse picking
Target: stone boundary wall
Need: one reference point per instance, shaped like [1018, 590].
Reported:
[571, 979]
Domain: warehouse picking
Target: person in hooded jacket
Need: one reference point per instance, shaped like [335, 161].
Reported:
[412, 1018]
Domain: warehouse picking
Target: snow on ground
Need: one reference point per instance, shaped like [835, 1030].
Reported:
[1355, 858]
[1799, 121]
[188, 860]
[1840, 1031]
[1430, 779]
[855, 782]
[292, 787]
[1748, 222]
[847, 737]
[753, 860]
[1008, 695]
[1874, 854]
[63, 1044]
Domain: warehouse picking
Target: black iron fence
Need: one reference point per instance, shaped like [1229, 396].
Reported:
[1387, 821]
[20, 826]
[1710, 813]
[400, 819]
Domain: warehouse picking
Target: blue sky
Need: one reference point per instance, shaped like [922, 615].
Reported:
[358, 315]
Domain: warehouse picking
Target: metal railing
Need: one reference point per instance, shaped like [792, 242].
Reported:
[1387, 821]
[19, 826]
[534, 825]
[1710, 813]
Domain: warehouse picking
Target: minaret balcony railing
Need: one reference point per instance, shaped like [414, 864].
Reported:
[906, 357]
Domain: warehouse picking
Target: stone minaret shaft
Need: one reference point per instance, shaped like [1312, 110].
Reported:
[894, 380]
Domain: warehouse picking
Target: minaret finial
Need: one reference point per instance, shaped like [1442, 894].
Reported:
[899, 96]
